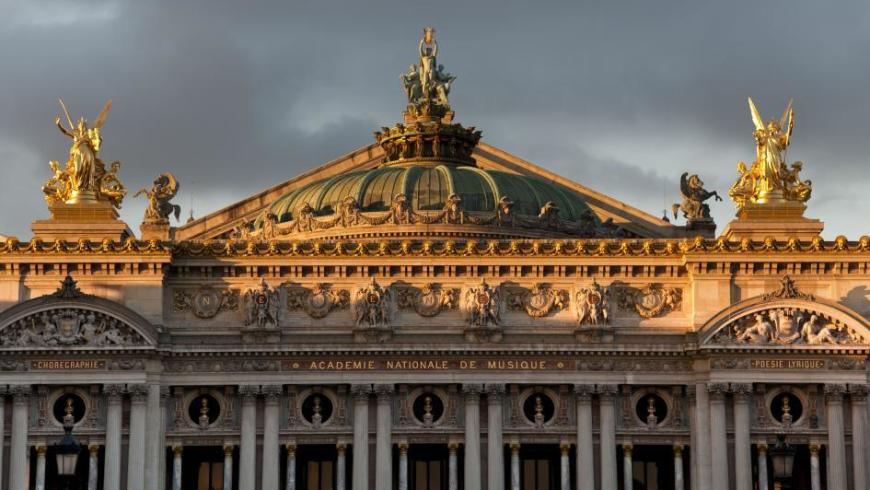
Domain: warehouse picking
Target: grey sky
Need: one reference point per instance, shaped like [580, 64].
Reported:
[621, 96]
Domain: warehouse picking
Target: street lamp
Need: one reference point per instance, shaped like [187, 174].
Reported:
[68, 448]
[782, 456]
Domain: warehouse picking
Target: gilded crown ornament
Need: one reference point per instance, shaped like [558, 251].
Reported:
[84, 178]
[769, 181]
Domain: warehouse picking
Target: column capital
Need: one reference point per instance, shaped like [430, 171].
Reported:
[341, 448]
[361, 392]
[272, 393]
[717, 391]
[761, 447]
[249, 392]
[742, 391]
[834, 392]
[138, 393]
[678, 449]
[627, 449]
[494, 392]
[41, 449]
[403, 447]
[93, 450]
[384, 391]
[452, 447]
[564, 447]
[515, 448]
[472, 390]
[584, 392]
[177, 449]
[606, 392]
[165, 393]
[691, 393]
[858, 393]
[291, 448]
[228, 449]
[814, 449]
[20, 393]
[114, 392]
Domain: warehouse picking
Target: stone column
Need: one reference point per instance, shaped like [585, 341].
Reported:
[452, 466]
[403, 466]
[40, 467]
[565, 466]
[627, 467]
[762, 467]
[718, 436]
[248, 443]
[836, 437]
[494, 445]
[815, 468]
[858, 396]
[152, 439]
[607, 431]
[271, 447]
[136, 459]
[112, 458]
[176, 466]
[291, 467]
[742, 443]
[228, 467]
[679, 479]
[340, 466]
[93, 466]
[701, 451]
[585, 457]
[18, 450]
[515, 466]
[361, 395]
[2, 428]
[472, 436]
[161, 440]
[384, 438]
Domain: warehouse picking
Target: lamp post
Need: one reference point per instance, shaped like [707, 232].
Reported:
[782, 456]
[67, 450]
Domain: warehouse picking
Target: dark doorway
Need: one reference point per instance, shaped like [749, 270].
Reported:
[202, 468]
[427, 466]
[652, 467]
[316, 466]
[539, 466]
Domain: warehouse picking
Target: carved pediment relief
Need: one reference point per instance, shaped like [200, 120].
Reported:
[69, 318]
[787, 317]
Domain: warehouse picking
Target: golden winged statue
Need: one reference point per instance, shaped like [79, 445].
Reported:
[84, 177]
[769, 179]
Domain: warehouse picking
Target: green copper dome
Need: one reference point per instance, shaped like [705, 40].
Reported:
[427, 188]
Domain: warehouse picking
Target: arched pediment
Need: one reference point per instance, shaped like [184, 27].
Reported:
[69, 318]
[786, 317]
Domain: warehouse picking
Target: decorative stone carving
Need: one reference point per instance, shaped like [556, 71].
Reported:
[427, 301]
[318, 301]
[400, 210]
[206, 302]
[787, 290]
[481, 305]
[592, 305]
[539, 301]
[372, 311]
[262, 306]
[504, 215]
[549, 216]
[786, 326]
[649, 301]
[65, 327]
[69, 289]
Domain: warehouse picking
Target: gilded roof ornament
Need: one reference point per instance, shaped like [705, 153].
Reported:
[84, 178]
[769, 181]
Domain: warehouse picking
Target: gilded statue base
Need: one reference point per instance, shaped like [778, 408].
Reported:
[778, 220]
[156, 231]
[93, 220]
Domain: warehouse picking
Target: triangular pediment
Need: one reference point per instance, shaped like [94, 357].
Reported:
[223, 221]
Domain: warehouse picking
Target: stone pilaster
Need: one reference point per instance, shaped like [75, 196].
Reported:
[177, 451]
[679, 473]
[384, 437]
[836, 436]
[472, 436]
[112, 458]
[815, 468]
[858, 398]
[452, 466]
[762, 466]
[248, 446]
[701, 454]
[718, 436]
[291, 467]
[495, 453]
[564, 466]
[93, 466]
[271, 447]
[585, 448]
[136, 458]
[607, 436]
[340, 466]
[515, 466]
[39, 484]
[228, 466]
[361, 394]
[403, 465]
[742, 443]
[627, 480]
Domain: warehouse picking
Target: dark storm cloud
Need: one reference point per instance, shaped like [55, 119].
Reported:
[620, 96]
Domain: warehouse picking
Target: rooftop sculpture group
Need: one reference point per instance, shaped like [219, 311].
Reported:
[428, 86]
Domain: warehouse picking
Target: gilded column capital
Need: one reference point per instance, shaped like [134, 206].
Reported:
[762, 448]
[495, 392]
[515, 448]
[93, 450]
[472, 391]
[606, 392]
[291, 448]
[717, 391]
[815, 448]
[114, 392]
[403, 448]
[249, 393]
[177, 449]
[742, 391]
[834, 392]
[272, 393]
[138, 393]
[384, 391]
[20, 393]
[41, 449]
[627, 449]
[361, 392]
[678, 449]
[584, 393]
[565, 447]
[228, 450]
[452, 447]
[341, 448]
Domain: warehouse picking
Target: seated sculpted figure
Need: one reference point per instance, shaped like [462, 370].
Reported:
[759, 333]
